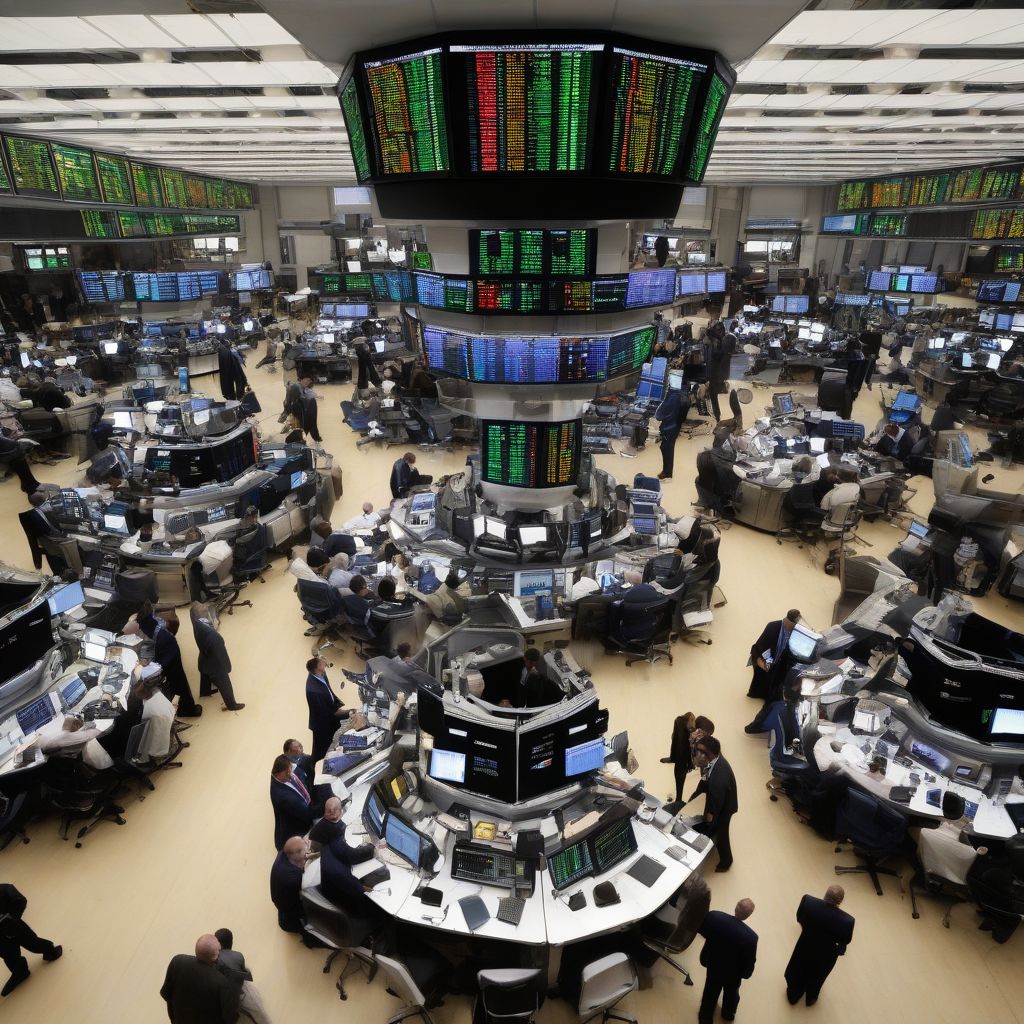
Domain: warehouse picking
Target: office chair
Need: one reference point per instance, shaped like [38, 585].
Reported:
[322, 609]
[216, 587]
[785, 767]
[342, 933]
[606, 982]
[701, 594]
[996, 883]
[134, 586]
[943, 876]
[508, 996]
[672, 929]
[652, 624]
[805, 516]
[841, 525]
[875, 831]
[134, 767]
[250, 556]
[716, 485]
[646, 483]
[834, 395]
[402, 985]
[76, 792]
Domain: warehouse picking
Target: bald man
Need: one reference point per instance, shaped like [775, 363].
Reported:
[330, 831]
[195, 990]
[286, 884]
[826, 931]
[729, 953]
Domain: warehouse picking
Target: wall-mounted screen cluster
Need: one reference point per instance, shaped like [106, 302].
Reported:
[522, 104]
[966, 185]
[541, 359]
[532, 252]
[119, 286]
[128, 224]
[40, 169]
[921, 284]
[846, 224]
[524, 454]
[1002, 223]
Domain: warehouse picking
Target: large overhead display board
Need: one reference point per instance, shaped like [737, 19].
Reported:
[996, 183]
[528, 454]
[532, 252]
[479, 119]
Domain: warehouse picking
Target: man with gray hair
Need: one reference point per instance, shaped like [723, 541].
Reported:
[195, 990]
[368, 520]
[826, 932]
[729, 953]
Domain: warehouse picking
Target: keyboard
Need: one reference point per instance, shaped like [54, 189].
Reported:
[510, 910]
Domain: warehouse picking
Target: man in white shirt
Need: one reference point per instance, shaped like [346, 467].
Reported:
[846, 492]
[367, 521]
[75, 739]
[340, 576]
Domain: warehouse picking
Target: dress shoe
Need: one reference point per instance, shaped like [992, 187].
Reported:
[793, 998]
[811, 1002]
[722, 867]
[58, 951]
[13, 982]
[728, 1016]
[197, 713]
[210, 692]
[232, 707]
[751, 729]
[666, 760]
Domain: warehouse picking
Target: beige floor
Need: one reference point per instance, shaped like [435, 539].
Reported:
[196, 854]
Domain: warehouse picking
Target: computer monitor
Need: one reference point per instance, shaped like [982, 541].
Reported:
[965, 451]
[613, 844]
[533, 582]
[938, 344]
[115, 524]
[532, 535]
[479, 526]
[1007, 722]
[906, 401]
[584, 757]
[34, 716]
[966, 361]
[110, 348]
[71, 693]
[803, 642]
[676, 380]
[403, 839]
[994, 359]
[865, 721]
[297, 480]
[495, 527]
[783, 403]
[920, 530]
[66, 598]
[376, 814]
[448, 765]
[927, 755]
[645, 525]
[1005, 344]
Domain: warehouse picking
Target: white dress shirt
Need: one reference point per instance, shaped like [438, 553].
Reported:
[159, 712]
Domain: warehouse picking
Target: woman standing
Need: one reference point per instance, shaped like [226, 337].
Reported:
[680, 751]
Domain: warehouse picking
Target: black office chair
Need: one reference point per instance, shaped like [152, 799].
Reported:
[322, 609]
[642, 631]
[804, 515]
[77, 793]
[671, 929]
[786, 768]
[834, 395]
[250, 556]
[876, 832]
[996, 882]
[508, 996]
[342, 933]
[134, 586]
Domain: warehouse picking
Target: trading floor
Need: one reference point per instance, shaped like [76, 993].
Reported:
[196, 854]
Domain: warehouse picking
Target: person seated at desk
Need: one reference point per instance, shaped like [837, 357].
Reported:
[286, 884]
[943, 850]
[405, 475]
[895, 442]
[292, 803]
[386, 589]
[334, 542]
[302, 763]
[366, 520]
[532, 689]
[827, 479]
[448, 602]
[346, 891]
[356, 604]
[845, 492]
[75, 739]
[330, 831]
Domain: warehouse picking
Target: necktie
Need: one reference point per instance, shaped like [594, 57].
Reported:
[300, 788]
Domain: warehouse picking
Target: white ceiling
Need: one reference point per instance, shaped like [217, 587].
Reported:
[848, 88]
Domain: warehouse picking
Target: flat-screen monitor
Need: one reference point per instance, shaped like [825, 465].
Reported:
[716, 281]
[519, 453]
[402, 839]
[66, 598]
[533, 582]
[71, 693]
[878, 281]
[613, 844]
[938, 344]
[966, 360]
[529, 535]
[115, 524]
[448, 765]
[570, 864]
[494, 527]
[296, 480]
[783, 403]
[906, 401]
[645, 525]
[110, 348]
[376, 814]
[919, 530]
[584, 757]
[929, 756]
[865, 721]
[25, 640]
[34, 716]
[1007, 722]
[994, 359]
[252, 280]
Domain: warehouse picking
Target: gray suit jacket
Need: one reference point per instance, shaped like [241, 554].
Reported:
[231, 964]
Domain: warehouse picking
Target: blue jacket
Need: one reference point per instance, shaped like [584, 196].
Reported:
[292, 816]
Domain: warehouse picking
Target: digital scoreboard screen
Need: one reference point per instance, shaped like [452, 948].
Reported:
[608, 294]
[853, 195]
[494, 252]
[572, 252]
[532, 252]
[708, 123]
[99, 224]
[650, 288]
[1002, 223]
[5, 182]
[115, 179]
[890, 224]
[523, 454]
[195, 192]
[102, 285]
[392, 286]
[652, 99]
[32, 170]
[528, 106]
[1010, 261]
[148, 191]
[629, 351]
[175, 189]
[349, 99]
[155, 287]
[846, 224]
[407, 114]
[76, 174]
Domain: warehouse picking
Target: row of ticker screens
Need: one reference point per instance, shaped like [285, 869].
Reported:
[605, 293]
[180, 286]
[540, 359]
[40, 169]
[933, 188]
[996, 223]
[530, 104]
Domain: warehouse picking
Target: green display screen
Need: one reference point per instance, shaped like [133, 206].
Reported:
[76, 174]
[354, 127]
[130, 225]
[571, 252]
[115, 179]
[707, 127]
[999, 183]
[966, 186]
[157, 224]
[407, 115]
[888, 192]
[330, 284]
[458, 295]
[32, 170]
[528, 106]
[496, 252]
[889, 224]
[422, 260]
[196, 191]
[99, 224]
[237, 195]
[175, 189]
[927, 189]
[358, 282]
[148, 191]
[1003, 223]
[853, 195]
[5, 182]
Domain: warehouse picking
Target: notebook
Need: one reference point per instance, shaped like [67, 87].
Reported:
[475, 911]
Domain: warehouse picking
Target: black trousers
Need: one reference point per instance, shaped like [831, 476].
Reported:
[680, 772]
[222, 683]
[322, 742]
[668, 452]
[719, 832]
[714, 986]
[16, 936]
[713, 389]
[176, 682]
[21, 469]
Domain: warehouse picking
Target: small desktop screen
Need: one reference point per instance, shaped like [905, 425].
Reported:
[940, 343]
[494, 527]
[865, 721]
[403, 839]
[376, 811]
[71, 693]
[1008, 721]
[965, 451]
[926, 755]
[802, 643]
[531, 583]
[115, 524]
[783, 403]
[645, 525]
[110, 348]
[614, 844]
[966, 360]
[423, 502]
[93, 651]
[297, 478]
[919, 529]
[66, 598]
[532, 535]
[570, 865]
[448, 765]
[994, 359]
[35, 715]
[675, 380]
[584, 757]
[906, 402]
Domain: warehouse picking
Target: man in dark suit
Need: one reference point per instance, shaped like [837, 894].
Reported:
[232, 376]
[774, 640]
[15, 935]
[896, 442]
[231, 963]
[302, 763]
[291, 800]
[286, 884]
[404, 475]
[729, 953]
[214, 664]
[357, 604]
[670, 414]
[718, 782]
[535, 689]
[826, 932]
[36, 524]
[324, 707]
[309, 410]
[195, 990]
[330, 831]
[344, 890]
